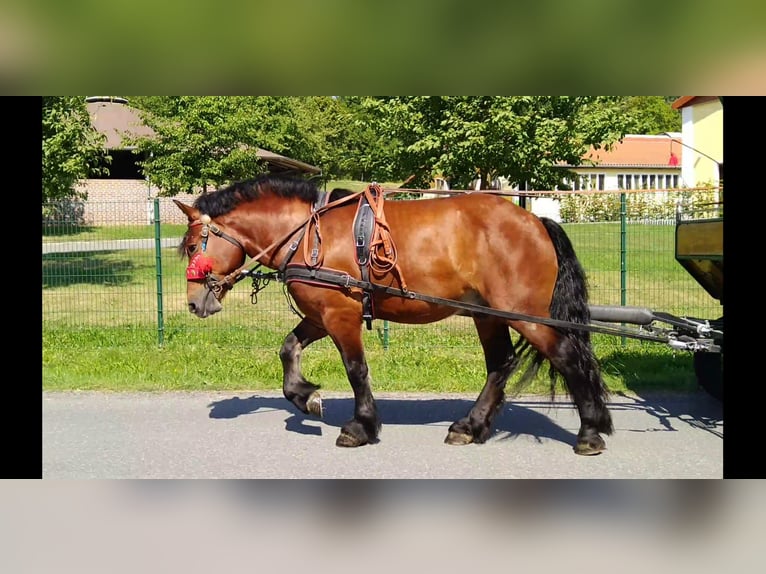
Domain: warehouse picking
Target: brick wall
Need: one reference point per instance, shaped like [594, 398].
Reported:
[128, 202]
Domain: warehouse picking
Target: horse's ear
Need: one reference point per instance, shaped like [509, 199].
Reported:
[191, 212]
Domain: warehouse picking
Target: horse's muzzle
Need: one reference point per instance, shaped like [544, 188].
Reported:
[204, 302]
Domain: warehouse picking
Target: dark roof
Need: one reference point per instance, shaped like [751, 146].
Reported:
[112, 117]
[285, 163]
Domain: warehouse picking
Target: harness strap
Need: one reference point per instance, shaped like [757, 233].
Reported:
[316, 256]
[241, 272]
[325, 277]
[375, 249]
[383, 256]
[363, 228]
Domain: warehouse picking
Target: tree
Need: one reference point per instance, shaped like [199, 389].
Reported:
[335, 133]
[212, 140]
[72, 148]
[651, 114]
[338, 134]
[521, 138]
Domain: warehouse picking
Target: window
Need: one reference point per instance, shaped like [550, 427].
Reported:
[587, 181]
[635, 181]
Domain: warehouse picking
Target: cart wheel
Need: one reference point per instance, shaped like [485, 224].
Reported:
[709, 370]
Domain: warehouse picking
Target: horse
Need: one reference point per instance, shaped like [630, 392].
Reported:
[474, 254]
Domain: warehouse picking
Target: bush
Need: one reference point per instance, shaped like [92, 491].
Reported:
[640, 206]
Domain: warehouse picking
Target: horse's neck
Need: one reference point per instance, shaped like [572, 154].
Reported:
[273, 227]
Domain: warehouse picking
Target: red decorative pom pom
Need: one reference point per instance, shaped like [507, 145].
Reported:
[199, 266]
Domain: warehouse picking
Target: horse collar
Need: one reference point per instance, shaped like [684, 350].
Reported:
[321, 200]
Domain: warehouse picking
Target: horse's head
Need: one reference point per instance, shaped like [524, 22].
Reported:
[214, 255]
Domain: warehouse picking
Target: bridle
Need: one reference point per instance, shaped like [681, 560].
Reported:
[201, 265]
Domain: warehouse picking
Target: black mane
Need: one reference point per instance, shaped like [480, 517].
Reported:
[227, 198]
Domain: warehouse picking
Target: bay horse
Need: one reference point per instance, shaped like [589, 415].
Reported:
[477, 250]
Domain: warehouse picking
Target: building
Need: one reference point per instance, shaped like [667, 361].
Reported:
[702, 131]
[635, 162]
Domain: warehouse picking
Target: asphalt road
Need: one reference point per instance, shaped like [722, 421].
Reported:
[261, 435]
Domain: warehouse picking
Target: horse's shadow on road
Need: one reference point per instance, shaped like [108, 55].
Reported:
[535, 418]
[512, 421]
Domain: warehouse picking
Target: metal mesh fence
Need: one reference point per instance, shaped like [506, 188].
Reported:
[120, 275]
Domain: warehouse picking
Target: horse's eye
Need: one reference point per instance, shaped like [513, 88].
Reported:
[190, 249]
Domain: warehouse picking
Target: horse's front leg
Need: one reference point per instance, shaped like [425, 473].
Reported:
[365, 426]
[296, 388]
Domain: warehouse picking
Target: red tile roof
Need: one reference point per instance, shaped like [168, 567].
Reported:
[640, 151]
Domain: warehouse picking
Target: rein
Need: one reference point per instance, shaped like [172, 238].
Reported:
[383, 256]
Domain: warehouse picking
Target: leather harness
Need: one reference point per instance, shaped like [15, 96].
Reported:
[375, 249]
[364, 222]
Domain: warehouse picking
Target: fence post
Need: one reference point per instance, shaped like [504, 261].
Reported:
[623, 254]
[158, 266]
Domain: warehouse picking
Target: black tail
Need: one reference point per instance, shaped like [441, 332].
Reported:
[570, 295]
[570, 304]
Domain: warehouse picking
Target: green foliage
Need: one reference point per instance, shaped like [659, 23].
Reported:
[333, 138]
[651, 114]
[206, 141]
[212, 140]
[579, 208]
[521, 138]
[72, 149]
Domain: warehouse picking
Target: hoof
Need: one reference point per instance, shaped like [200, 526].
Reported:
[314, 405]
[590, 448]
[347, 440]
[456, 438]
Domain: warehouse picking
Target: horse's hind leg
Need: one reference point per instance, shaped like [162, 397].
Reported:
[500, 361]
[296, 388]
[571, 354]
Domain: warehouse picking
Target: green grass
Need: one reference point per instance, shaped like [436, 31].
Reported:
[100, 359]
[100, 314]
[108, 232]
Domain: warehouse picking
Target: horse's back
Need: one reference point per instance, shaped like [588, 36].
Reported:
[480, 248]
[465, 223]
